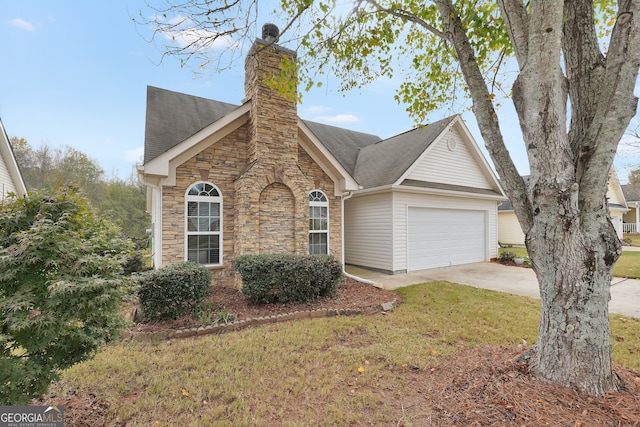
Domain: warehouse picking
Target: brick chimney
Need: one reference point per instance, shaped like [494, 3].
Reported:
[273, 123]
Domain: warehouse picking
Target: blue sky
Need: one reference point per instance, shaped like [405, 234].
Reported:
[75, 73]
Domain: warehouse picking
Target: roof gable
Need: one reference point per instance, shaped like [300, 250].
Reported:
[384, 162]
[615, 195]
[453, 159]
[178, 126]
[172, 117]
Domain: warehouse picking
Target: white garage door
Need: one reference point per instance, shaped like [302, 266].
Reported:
[444, 237]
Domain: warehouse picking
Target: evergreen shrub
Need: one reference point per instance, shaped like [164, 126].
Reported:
[288, 278]
[173, 291]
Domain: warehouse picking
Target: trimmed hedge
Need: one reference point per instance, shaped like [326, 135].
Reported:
[288, 278]
[173, 291]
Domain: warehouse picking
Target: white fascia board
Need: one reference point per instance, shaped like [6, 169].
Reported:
[11, 163]
[330, 165]
[430, 191]
[165, 164]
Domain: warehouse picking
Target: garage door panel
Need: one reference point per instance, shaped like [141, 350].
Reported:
[444, 237]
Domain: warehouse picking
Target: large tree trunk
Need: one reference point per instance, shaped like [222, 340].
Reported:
[562, 209]
[573, 257]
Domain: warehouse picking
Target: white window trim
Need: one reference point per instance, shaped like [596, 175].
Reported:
[186, 234]
[327, 231]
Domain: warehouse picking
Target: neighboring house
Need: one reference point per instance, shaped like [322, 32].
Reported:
[510, 232]
[227, 180]
[632, 218]
[10, 177]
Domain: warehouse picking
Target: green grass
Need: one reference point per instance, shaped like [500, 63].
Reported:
[520, 252]
[628, 265]
[337, 371]
[634, 238]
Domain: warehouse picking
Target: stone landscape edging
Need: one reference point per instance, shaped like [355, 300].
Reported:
[220, 328]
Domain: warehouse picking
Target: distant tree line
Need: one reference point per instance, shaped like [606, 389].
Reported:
[122, 201]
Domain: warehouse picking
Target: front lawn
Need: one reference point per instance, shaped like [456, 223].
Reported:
[361, 370]
[633, 239]
[628, 265]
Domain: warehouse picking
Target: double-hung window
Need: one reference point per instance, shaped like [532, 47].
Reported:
[203, 224]
[318, 223]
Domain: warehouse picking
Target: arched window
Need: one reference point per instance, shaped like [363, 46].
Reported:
[203, 224]
[318, 223]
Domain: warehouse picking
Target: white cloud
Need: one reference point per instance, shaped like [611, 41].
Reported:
[337, 118]
[22, 24]
[135, 155]
[315, 110]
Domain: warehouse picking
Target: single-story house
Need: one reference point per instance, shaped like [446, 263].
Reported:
[632, 217]
[226, 180]
[510, 232]
[10, 177]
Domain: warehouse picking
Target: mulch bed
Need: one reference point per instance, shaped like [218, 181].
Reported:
[350, 295]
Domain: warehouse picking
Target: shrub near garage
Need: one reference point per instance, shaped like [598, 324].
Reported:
[287, 278]
[173, 291]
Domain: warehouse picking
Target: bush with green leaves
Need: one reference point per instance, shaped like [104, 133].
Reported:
[173, 291]
[288, 278]
[61, 286]
[507, 256]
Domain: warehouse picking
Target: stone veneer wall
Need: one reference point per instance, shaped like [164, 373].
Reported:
[277, 220]
[219, 164]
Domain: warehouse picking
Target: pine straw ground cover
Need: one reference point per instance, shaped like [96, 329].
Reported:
[444, 357]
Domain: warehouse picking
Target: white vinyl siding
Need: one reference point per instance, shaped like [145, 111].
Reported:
[614, 197]
[376, 226]
[616, 220]
[368, 231]
[457, 167]
[509, 230]
[6, 183]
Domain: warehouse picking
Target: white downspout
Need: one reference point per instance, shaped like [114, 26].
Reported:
[637, 217]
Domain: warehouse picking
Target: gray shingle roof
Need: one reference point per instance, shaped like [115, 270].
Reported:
[344, 144]
[173, 117]
[631, 192]
[384, 163]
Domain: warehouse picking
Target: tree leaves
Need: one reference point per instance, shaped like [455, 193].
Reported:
[60, 288]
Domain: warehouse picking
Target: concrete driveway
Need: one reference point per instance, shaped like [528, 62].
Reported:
[625, 293]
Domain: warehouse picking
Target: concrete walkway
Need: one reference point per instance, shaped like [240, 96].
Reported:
[625, 293]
